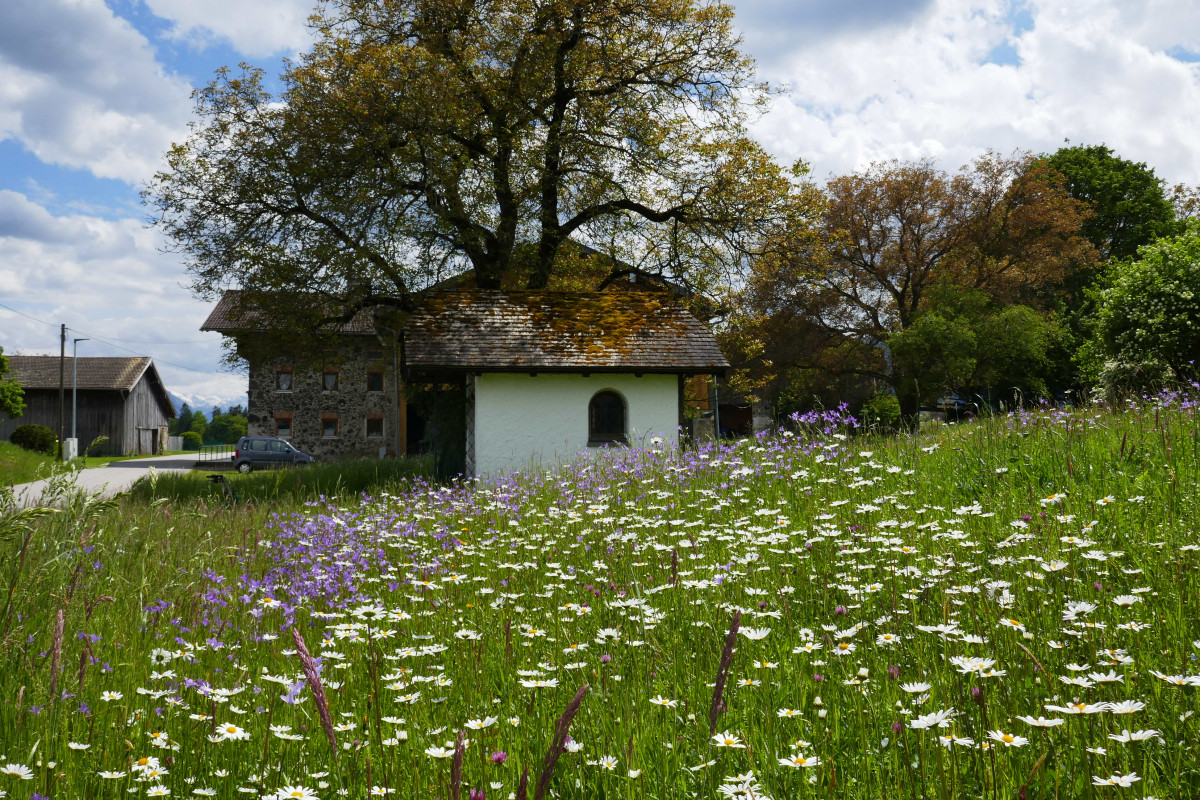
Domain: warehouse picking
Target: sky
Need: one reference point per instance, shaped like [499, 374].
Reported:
[93, 92]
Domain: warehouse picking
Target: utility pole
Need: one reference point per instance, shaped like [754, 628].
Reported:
[75, 387]
[62, 387]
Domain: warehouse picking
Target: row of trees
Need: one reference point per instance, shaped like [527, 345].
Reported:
[224, 427]
[419, 139]
[1017, 277]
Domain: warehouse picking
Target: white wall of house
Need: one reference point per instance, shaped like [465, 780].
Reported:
[524, 421]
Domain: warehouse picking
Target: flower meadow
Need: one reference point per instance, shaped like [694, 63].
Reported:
[1004, 608]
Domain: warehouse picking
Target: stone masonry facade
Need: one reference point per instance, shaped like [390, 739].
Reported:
[335, 404]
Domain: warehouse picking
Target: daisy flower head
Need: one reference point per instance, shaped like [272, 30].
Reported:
[296, 793]
[1125, 737]
[17, 771]
[949, 739]
[227, 731]
[1042, 722]
[1126, 707]
[1116, 780]
[1007, 739]
[727, 739]
[659, 700]
[754, 634]
[480, 724]
[798, 761]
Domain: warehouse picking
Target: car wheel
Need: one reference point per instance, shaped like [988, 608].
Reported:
[244, 467]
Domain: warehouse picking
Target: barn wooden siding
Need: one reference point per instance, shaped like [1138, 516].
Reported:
[101, 413]
[145, 422]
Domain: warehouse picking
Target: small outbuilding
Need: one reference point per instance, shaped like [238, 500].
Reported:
[122, 399]
[548, 375]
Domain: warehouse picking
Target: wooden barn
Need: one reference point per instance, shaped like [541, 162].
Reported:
[121, 398]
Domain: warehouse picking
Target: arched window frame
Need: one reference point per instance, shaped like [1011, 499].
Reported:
[607, 438]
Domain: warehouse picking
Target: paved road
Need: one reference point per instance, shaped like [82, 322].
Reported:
[116, 476]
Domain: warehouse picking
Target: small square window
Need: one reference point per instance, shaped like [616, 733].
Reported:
[329, 381]
[374, 381]
[283, 380]
[329, 426]
[374, 427]
[283, 426]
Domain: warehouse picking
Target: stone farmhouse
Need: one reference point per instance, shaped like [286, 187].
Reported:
[122, 399]
[488, 381]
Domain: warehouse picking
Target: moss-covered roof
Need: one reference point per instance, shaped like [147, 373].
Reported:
[496, 331]
[237, 312]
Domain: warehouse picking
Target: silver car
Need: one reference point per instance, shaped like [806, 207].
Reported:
[264, 452]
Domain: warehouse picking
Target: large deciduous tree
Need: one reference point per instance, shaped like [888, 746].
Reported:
[1129, 206]
[418, 138]
[12, 396]
[892, 237]
[1147, 317]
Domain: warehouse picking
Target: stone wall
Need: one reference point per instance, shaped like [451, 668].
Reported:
[310, 405]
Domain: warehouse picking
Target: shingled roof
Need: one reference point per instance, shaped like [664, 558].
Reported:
[233, 314]
[104, 373]
[494, 331]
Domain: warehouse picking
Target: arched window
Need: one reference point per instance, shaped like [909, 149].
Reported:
[606, 419]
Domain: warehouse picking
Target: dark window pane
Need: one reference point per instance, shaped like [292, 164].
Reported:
[606, 418]
[283, 427]
[374, 381]
[258, 444]
[283, 381]
[374, 428]
[329, 381]
[329, 427]
[278, 447]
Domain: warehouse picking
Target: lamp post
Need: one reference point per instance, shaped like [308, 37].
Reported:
[75, 385]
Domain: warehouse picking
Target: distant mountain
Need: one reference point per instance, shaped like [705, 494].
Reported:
[195, 405]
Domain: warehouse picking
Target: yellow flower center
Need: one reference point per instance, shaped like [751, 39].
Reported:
[1008, 739]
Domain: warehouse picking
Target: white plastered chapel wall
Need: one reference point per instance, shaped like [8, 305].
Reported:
[524, 421]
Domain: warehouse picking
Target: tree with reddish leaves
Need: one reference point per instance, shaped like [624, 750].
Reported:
[825, 305]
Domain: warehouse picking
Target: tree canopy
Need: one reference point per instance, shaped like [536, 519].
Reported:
[1147, 317]
[12, 396]
[1128, 204]
[892, 237]
[421, 138]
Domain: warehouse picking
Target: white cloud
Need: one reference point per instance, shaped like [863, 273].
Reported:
[105, 279]
[1093, 71]
[79, 87]
[258, 28]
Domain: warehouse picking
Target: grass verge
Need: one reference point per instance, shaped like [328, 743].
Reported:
[18, 465]
[295, 484]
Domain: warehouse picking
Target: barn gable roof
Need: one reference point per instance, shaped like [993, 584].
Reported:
[95, 372]
[496, 331]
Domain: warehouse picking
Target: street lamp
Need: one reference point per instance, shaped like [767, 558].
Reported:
[75, 385]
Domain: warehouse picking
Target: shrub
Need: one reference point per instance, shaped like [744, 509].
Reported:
[191, 440]
[38, 438]
[881, 411]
